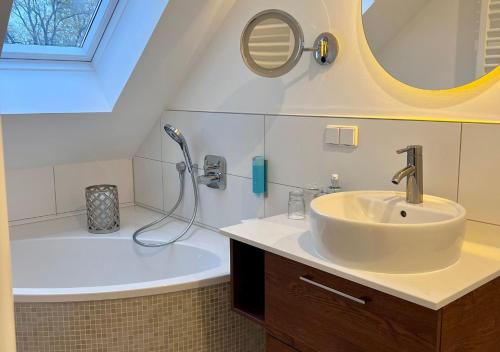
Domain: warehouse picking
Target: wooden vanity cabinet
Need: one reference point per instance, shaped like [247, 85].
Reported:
[304, 309]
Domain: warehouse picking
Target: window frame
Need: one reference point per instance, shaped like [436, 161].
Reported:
[85, 53]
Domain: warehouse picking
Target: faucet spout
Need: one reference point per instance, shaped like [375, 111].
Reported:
[403, 173]
[413, 173]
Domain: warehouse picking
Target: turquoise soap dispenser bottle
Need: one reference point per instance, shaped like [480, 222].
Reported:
[259, 175]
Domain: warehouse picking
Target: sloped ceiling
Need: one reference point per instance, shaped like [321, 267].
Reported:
[184, 31]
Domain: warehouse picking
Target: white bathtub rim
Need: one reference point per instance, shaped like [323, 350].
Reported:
[201, 238]
[151, 288]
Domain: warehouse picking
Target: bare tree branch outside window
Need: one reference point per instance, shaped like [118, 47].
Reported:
[50, 22]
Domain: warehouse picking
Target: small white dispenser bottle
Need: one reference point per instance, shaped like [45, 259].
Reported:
[334, 185]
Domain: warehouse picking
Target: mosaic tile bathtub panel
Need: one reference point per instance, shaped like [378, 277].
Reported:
[193, 320]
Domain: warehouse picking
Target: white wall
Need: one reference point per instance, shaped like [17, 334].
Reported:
[354, 86]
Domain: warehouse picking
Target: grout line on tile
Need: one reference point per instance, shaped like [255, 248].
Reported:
[197, 223]
[178, 217]
[285, 185]
[452, 120]
[216, 112]
[484, 222]
[266, 195]
[55, 188]
[161, 137]
[41, 218]
[145, 206]
[162, 187]
[133, 177]
[459, 160]
[200, 168]
[144, 157]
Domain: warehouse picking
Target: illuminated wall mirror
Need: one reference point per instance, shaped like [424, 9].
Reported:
[434, 44]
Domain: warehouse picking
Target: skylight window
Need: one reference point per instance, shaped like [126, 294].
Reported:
[56, 29]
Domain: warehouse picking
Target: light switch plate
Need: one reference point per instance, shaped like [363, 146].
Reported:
[332, 134]
[348, 135]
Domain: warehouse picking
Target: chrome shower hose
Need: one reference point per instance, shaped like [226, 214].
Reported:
[181, 169]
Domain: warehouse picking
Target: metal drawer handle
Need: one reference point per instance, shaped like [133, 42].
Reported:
[305, 279]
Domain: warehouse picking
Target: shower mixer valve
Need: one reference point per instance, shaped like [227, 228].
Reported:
[214, 175]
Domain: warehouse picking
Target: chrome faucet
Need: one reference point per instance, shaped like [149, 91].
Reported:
[214, 175]
[413, 173]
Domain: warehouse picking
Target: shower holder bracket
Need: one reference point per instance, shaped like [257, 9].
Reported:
[214, 175]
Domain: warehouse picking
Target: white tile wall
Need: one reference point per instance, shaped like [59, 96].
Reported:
[218, 208]
[30, 193]
[148, 183]
[236, 137]
[480, 172]
[297, 156]
[71, 180]
[53, 190]
[277, 199]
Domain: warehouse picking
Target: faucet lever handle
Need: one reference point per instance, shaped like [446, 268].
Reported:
[411, 148]
[403, 150]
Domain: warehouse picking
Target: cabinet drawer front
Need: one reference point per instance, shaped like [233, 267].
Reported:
[313, 310]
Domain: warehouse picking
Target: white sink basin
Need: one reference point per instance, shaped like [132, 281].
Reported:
[380, 231]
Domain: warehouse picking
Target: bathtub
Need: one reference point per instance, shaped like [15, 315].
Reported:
[59, 261]
[75, 291]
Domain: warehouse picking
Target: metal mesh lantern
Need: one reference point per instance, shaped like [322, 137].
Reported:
[103, 211]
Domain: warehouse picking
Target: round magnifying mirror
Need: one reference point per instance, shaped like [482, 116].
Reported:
[272, 43]
[434, 44]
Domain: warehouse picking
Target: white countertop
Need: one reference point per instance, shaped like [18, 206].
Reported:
[479, 264]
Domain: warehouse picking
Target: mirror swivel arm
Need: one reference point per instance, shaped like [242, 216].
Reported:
[325, 49]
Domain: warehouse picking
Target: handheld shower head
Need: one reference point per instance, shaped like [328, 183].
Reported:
[177, 136]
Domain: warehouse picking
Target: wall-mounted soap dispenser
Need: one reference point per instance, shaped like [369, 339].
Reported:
[259, 175]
